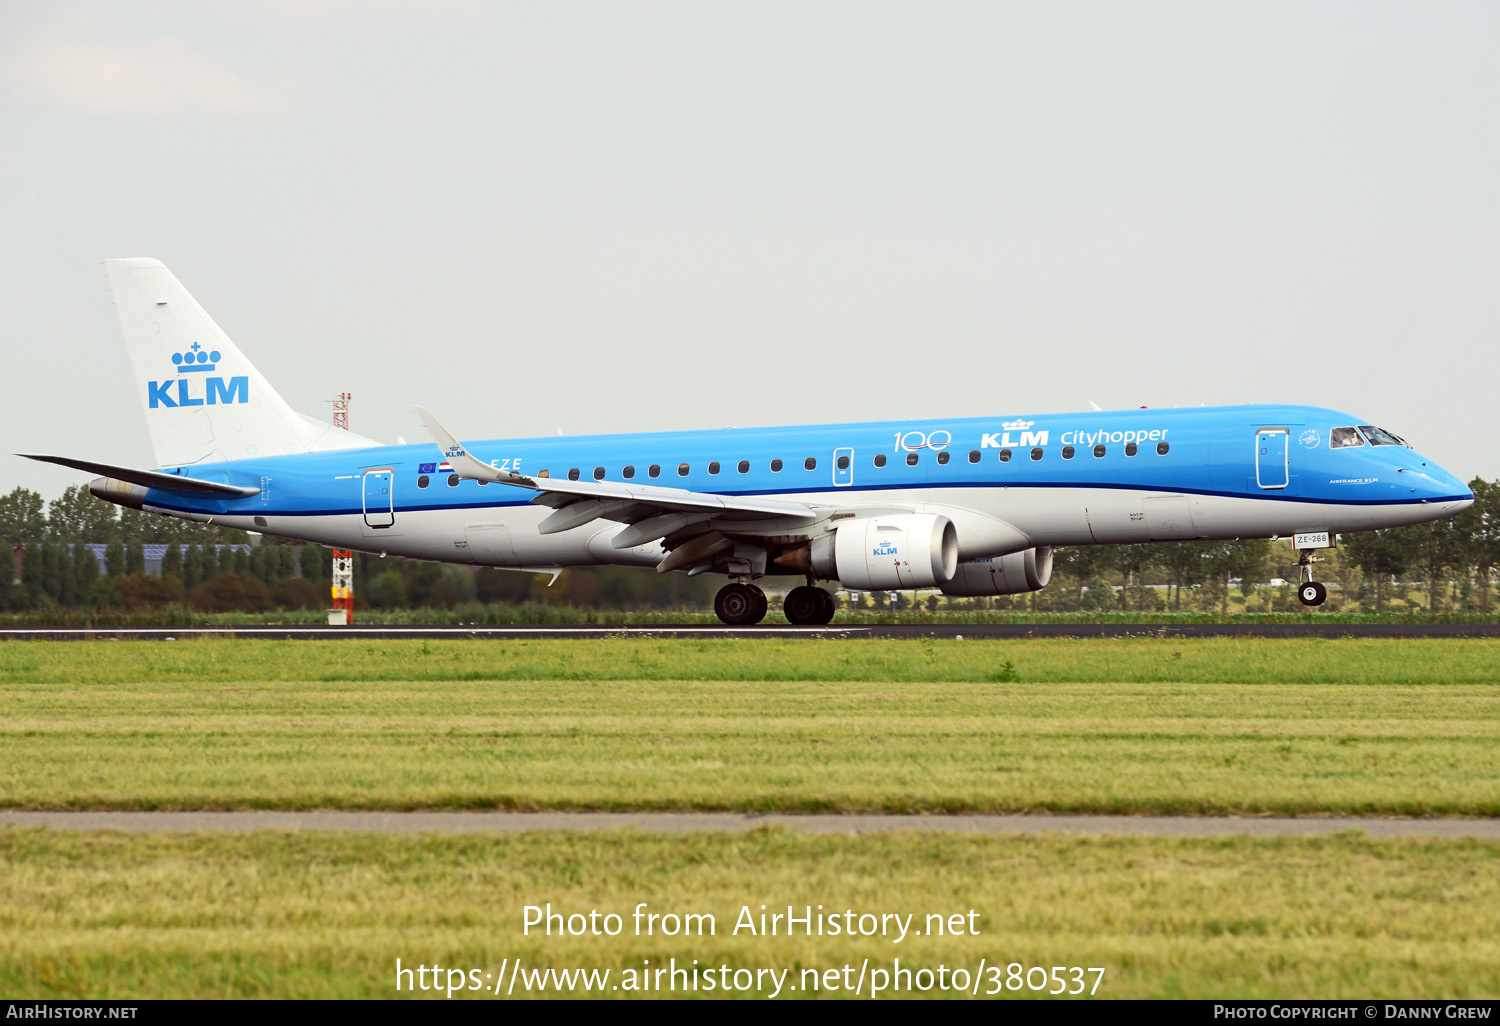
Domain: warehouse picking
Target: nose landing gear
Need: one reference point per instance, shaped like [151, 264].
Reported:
[1309, 592]
[740, 605]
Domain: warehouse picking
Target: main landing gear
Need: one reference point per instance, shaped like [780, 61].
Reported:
[1309, 592]
[740, 605]
[808, 605]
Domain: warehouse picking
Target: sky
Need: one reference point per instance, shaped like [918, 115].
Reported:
[606, 217]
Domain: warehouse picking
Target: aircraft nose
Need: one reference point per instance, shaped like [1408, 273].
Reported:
[1441, 494]
[1445, 490]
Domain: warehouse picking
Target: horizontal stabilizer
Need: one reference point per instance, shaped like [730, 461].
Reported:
[148, 478]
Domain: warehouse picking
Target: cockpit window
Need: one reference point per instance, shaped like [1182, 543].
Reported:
[1380, 437]
[1344, 438]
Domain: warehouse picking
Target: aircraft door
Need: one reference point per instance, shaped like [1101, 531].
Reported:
[380, 498]
[843, 468]
[1271, 457]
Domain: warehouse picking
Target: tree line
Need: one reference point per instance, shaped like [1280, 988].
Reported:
[1444, 565]
[215, 569]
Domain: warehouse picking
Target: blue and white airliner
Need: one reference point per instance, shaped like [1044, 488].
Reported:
[971, 506]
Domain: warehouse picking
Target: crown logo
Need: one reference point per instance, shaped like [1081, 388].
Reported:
[195, 360]
[1017, 425]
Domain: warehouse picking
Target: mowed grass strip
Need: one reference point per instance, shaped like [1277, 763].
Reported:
[1060, 660]
[1084, 726]
[278, 914]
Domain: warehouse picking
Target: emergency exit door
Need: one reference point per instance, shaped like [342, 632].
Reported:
[1271, 458]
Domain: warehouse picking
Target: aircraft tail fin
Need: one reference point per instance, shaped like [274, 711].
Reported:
[203, 400]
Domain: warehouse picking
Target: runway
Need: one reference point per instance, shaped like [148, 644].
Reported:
[726, 822]
[589, 631]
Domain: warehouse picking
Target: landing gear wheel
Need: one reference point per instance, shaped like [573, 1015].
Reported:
[761, 603]
[808, 605]
[830, 604]
[740, 605]
[1311, 593]
[804, 605]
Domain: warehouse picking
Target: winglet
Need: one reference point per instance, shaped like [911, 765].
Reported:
[465, 465]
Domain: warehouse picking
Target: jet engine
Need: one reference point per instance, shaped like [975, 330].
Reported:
[1029, 570]
[882, 553]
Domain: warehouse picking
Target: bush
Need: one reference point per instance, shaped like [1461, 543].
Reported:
[388, 591]
[144, 591]
[227, 592]
[299, 593]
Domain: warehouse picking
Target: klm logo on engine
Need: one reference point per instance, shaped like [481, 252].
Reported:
[884, 548]
[180, 391]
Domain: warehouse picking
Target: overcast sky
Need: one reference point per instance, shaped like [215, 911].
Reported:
[610, 217]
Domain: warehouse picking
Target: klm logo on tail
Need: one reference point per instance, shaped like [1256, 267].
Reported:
[217, 391]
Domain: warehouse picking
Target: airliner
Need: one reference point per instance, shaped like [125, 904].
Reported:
[972, 506]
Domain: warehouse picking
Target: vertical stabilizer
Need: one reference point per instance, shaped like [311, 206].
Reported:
[204, 401]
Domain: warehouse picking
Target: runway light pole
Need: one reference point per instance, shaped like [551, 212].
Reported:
[342, 612]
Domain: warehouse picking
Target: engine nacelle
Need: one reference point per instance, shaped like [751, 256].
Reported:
[1003, 575]
[888, 553]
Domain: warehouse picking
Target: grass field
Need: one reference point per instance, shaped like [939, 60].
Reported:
[1219, 725]
[295, 915]
[1148, 725]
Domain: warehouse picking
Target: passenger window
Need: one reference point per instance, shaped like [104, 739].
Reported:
[943, 457]
[423, 481]
[743, 466]
[843, 463]
[573, 474]
[880, 459]
[713, 468]
[544, 473]
[1161, 448]
[911, 459]
[1036, 454]
[1344, 438]
[628, 473]
[1099, 452]
[1067, 452]
[1130, 449]
[1004, 455]
[598, 473]
[810, 464]
[654, 470]
[452, 480]
[973, 455]
[776, 466]
[682, 470]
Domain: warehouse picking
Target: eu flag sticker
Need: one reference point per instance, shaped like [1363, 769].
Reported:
[427, 468]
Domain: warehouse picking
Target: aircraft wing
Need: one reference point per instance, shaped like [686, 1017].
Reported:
[148, 478]
[656, 511]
